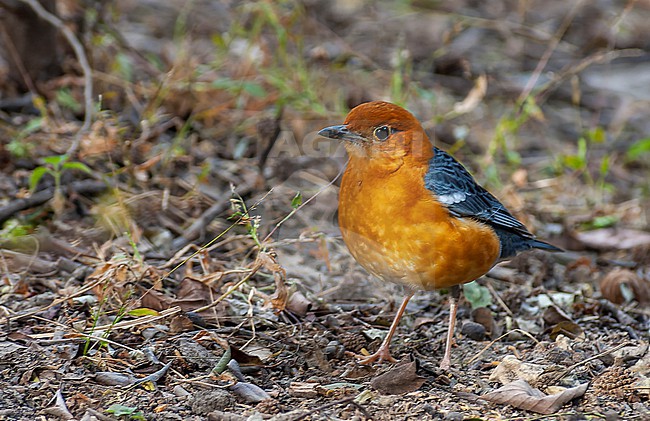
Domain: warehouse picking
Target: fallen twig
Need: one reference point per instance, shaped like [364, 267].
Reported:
[83, 62]
[17, 205]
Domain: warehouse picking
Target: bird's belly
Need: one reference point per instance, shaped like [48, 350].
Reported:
[414, 241]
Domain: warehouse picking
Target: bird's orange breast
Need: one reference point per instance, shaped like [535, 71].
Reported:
[396, 230]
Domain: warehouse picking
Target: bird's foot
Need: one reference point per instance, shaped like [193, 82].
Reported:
[382, 354]
[445, 364]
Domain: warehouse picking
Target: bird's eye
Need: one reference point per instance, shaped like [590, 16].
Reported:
[382, 133]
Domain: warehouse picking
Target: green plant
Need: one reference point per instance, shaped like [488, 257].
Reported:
[55, 166]
[504, 141]
[638, 149]
[477, 295]
[131, 412]
[241, 213]
[17, 146]
[580, 160]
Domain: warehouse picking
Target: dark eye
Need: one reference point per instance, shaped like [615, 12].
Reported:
[382, 133]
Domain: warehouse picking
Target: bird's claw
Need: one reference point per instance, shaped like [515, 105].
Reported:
[382, 355]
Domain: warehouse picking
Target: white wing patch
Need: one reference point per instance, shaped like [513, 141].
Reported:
[452, 198]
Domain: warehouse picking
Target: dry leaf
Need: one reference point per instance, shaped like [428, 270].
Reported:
[474, 98]
[521, 395]
[510, 369]
[249, 392]
[483, 316]
[180, 323]
[613, 238]
[622, 285]
[400, 379]
[298, 304]
[303, 390]
[281, 294]
[569, 329]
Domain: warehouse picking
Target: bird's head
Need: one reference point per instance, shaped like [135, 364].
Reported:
[381, 130]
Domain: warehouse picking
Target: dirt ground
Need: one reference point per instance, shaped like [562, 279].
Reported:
[178, 258]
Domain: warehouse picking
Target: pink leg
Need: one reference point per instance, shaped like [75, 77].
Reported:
[383, 353]
[445, 364]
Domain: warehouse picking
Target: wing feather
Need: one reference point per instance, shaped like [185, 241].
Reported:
[455, 188]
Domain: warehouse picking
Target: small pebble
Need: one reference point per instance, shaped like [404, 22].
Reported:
[454, 416]
[473, 330]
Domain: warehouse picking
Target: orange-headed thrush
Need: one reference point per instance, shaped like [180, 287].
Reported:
[411, 214]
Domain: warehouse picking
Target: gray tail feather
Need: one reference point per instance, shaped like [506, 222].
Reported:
[544, 246]
[513, 243]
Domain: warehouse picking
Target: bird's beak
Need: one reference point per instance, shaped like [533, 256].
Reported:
[342, 132]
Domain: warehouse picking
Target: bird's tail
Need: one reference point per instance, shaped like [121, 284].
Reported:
[544, 246]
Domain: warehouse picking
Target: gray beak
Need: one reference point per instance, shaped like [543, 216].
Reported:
[342, 133]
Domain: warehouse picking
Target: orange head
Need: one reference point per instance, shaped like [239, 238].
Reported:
[381, 131]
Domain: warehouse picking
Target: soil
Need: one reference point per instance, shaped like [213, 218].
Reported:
[187, 264]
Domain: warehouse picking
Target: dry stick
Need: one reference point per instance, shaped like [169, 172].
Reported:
[11, 49]
[598, 57]
[83, 62]
[578, 364]
[254, 269]
[36, 199]
[496, 295]
[543, 61]
[57, 301]
[294, 211]
[323, 407]
[475, 357]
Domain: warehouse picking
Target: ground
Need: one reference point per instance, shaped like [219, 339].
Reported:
[178, 256]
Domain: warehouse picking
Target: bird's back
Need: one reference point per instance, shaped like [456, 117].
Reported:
[455, 187]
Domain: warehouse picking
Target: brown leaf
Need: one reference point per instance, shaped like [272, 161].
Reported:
[613, 285]
[511, 368]
[569, 329]
[179, 324]
[245, 359]
[303, 390]
[298, 304]
[280, 296]
[613, 238]
[400, 379]
[521, 395]
[554, 315]
[483, 316]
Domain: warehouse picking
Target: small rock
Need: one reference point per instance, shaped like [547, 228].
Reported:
[207, 401]
[334, 350]
[454, 416]
[473, 330]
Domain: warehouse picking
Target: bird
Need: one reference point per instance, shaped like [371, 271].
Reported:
[411, 214]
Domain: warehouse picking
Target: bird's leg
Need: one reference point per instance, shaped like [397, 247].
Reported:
[383, 353]
[445, 364]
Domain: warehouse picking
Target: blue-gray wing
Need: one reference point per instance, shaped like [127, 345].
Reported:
[456, 189]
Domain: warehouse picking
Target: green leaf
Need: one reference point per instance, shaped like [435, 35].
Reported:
[65, 98]
[55, 160]
[477, 295]
[32, 125]
[604, 221]
[597, 135]
[77, 166]
[36, 176]
[143, 311]
[223, 83]
[638, 148]
[123, 410]
[296, 201]
[604, 166]
[582, 148]
[254, 89]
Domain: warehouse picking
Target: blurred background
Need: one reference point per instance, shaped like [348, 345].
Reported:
[140, 128]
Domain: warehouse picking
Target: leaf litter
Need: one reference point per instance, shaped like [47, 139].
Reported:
[261, 321]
